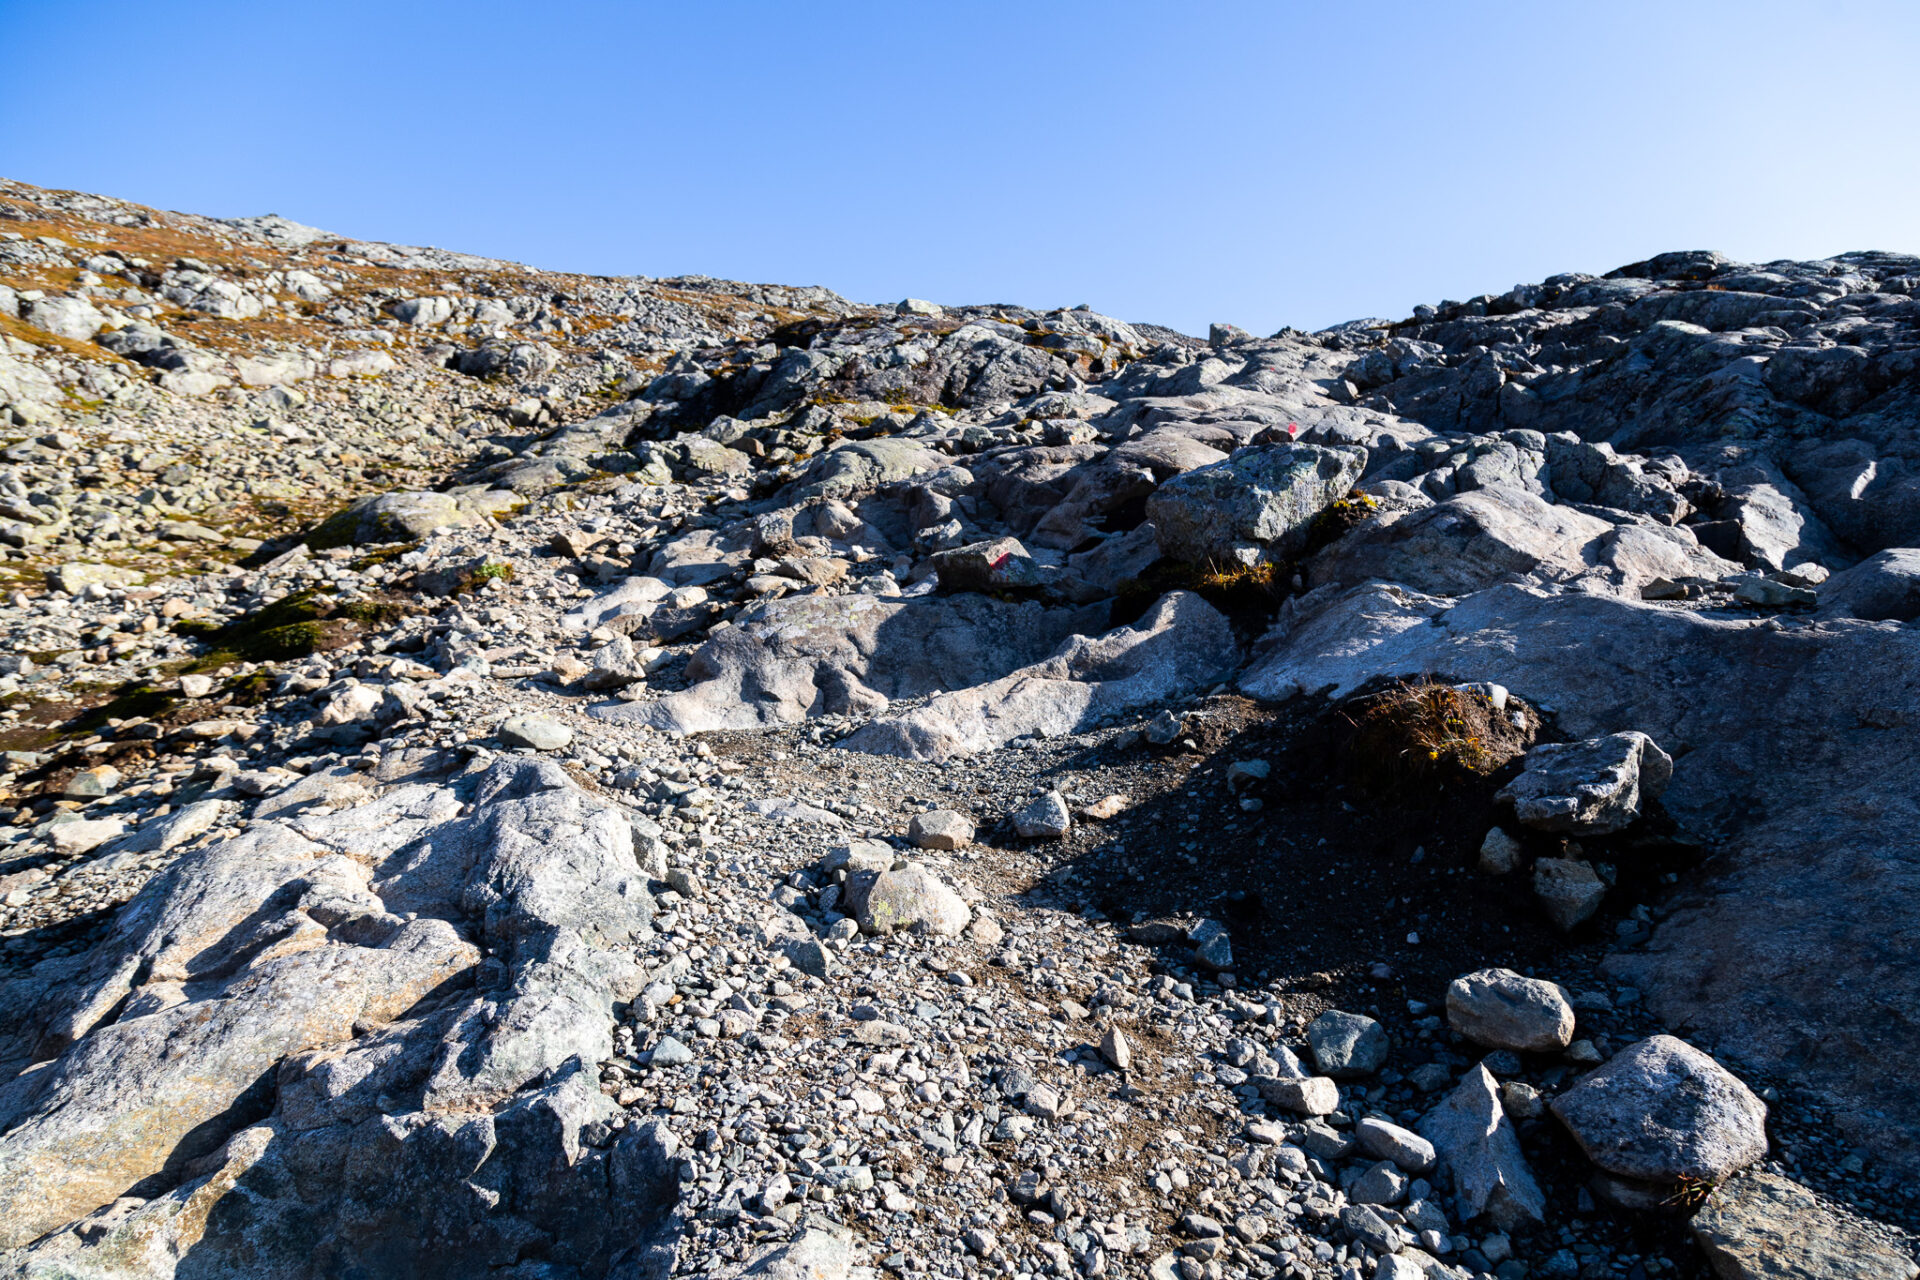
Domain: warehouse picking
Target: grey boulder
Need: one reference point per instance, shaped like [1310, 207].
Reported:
[1468, 542]
[1047, 818]
[1480, 1152]
[1501, 1009]
[1406, 1149]
[1257, 505]
[535, 732]
[394, 517]
[1661, 1110]
[911, 897]
[1592, 787]
[1347, 1045]
[1569, 891]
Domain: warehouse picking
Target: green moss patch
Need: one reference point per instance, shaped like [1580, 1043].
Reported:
[300, 624]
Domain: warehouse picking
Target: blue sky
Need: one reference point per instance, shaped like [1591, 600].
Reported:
[1263, 164]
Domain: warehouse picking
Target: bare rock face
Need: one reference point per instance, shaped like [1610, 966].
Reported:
[299, 1017]
[1756, 712]
[1761, 1226]
[1661, 1110]
[1885, 587]
[786, 659]
[1591, 787]
[1480, 1152]
[1468, 542]
[1181, 647]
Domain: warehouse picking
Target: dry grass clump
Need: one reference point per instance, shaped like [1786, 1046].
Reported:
[1425, 734]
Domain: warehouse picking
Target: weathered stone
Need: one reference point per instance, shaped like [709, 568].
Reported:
[1347, 1046]
[1257, 505]
[999, 565]
[537, 732]
[1503, 1010]
[1761, 1226]
[940, 829]
[1661, 1110]
[1480, 1152]
[1500, 853]
[1045, 819]
[910, 897]
[1181, 647]
[1592, 787]
[393, 517]
[783, 660]
[1569, 891]
[1312, 1096]
[1405, 1148]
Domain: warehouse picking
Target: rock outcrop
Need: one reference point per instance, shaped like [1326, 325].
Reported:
[746, 782]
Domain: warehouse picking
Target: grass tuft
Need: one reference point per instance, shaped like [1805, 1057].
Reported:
[1425, 734]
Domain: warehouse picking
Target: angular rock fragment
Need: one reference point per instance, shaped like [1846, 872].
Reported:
[1480, 1153]
[1312, 1096]
[1569, 890]
[1255, 506]
[1591, 787]
[1045, 819]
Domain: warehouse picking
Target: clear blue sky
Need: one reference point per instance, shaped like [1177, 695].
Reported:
[1263, 164]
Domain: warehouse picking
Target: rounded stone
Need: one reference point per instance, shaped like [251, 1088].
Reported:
[1501, 1009]
[536, 732]
[1347, 1045]
[1661, 1110]
[941, 829]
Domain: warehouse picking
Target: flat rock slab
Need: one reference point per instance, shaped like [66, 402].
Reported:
[1761, 1226]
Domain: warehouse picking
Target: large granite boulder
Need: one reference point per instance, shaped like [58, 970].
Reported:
[1257, 505]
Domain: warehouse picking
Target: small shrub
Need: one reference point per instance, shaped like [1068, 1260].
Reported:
[1424, 734]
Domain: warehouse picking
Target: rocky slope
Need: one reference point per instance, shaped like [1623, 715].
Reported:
[523, 774]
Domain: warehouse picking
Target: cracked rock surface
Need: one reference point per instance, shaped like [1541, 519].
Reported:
[518, 774]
